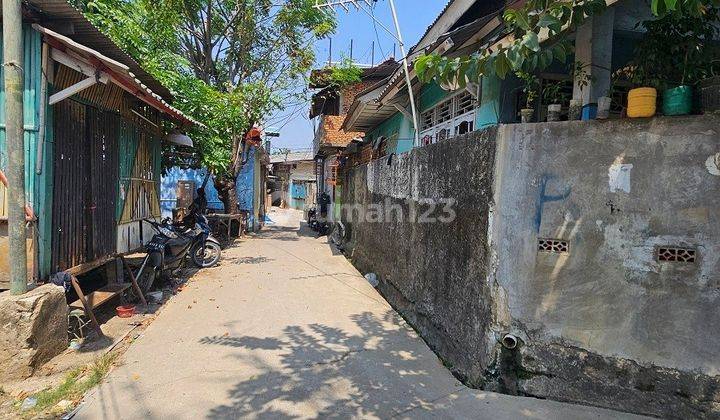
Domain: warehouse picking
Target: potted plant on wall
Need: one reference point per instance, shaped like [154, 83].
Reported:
[642, 98]
[582, 79]
[530, 87]
[689, 50]
[554, 96]
[674, 54]
[605, 102]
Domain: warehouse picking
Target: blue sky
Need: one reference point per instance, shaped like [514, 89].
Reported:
[414, 16]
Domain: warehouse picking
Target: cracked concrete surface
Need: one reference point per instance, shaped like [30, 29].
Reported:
[285, 328]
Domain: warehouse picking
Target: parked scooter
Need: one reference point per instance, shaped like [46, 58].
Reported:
[321, 227]
[173, 243]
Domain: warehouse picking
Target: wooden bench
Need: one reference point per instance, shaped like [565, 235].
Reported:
[100, 296]
[225, 220]
[92, 300]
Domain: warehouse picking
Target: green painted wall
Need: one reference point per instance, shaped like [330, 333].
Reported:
[430, 95]
[31, 102]
[487, 114]
[38, 187]
[489, 111]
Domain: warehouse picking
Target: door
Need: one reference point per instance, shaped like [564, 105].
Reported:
[85, 184]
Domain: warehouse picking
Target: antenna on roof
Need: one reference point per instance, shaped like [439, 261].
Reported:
[360, 5]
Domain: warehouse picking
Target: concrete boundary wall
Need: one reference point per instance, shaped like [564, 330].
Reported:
[596, 244]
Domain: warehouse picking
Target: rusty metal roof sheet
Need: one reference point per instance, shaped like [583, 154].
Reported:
[121, 73]
[68, 21]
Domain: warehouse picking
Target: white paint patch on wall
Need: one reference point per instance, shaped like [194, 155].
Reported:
[619, 177]
[713, 164]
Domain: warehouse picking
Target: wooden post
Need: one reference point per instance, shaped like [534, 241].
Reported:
[133, 280]
[86, 305]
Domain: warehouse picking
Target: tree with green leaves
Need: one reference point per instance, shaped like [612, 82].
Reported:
[523, 51]
[228, 62]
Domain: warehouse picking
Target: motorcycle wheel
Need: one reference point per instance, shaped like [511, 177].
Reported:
[147, 279]
[209, 258]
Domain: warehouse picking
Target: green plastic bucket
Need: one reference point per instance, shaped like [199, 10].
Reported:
[677, 101]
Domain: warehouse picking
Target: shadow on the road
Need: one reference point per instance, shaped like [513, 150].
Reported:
[331, 372]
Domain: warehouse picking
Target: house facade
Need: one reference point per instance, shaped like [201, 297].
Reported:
[295, 181]
[251, 187]
[604, 44]
[94, 123]
[330, 107]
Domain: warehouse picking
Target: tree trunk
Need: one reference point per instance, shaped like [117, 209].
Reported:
[227, 193]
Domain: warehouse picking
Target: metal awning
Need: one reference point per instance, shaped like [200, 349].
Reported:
[101, 68]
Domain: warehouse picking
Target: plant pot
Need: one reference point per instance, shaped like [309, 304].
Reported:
[526, 115]
[553, 112]
[642, 102]
[125, 311]
[677, 101]
[575, 111]
[603, 107]
[710, 94]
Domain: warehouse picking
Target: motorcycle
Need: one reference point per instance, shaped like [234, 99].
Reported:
[321, 227]
[169, 248]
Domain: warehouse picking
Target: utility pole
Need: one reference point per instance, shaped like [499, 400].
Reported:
[358, 4]
[330, 54]
[407, 75]
[12, 65]
[372, 55]
[351, 50]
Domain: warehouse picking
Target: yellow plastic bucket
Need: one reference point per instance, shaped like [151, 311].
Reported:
[642, 102]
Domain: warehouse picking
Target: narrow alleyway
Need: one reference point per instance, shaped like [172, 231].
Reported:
[284, 328]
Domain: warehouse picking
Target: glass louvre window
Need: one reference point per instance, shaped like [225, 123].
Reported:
[452, 117]
[427, 119]
[443, 112]
[464, 104]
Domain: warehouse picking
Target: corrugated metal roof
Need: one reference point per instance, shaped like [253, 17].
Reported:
[458, 36]
[380, 71]
[434, 22]
[121, 74]
[67, 20]
[292, 157]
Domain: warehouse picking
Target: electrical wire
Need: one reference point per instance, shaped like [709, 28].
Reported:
[377, 36]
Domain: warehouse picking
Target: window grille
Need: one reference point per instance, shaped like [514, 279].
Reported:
[427, 119]
[444, 112]
[452, 117]
[465, 104]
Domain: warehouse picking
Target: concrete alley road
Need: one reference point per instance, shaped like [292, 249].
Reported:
[284, 328]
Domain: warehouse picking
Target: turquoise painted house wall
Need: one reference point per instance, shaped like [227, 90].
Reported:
[38, 187]
[488, 113]
[430, 95]
[248, 189]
